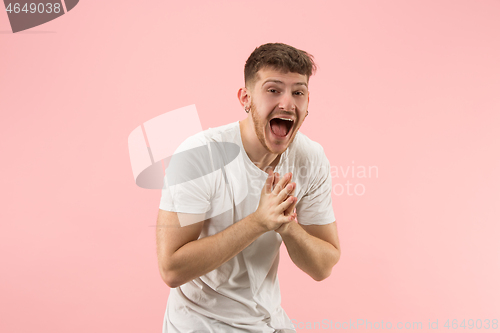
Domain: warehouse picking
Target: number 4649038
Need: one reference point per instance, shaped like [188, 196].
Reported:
[471, 323]
[34, 8]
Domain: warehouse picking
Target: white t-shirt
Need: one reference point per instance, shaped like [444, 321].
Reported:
[215, 176]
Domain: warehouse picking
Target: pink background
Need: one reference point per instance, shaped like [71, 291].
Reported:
[411, 87]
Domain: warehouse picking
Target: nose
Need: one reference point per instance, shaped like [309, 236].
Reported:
[287, 102]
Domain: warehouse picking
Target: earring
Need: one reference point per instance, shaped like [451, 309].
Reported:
[307, 112]
[247, 110]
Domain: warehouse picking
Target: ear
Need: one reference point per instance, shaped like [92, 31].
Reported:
[244, 97]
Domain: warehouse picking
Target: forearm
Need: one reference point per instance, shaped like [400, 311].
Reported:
[201, 256]
[314, 256]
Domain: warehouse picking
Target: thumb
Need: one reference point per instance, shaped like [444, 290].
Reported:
[268, 186]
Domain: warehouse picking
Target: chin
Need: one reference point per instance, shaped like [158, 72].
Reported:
[276, 144]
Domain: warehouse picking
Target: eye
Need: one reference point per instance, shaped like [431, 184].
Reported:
[299, 93]
[272, 90]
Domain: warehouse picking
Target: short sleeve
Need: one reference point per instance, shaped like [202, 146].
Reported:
[186, 187]
[315, 207]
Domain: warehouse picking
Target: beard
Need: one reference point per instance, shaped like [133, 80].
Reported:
[260, 129]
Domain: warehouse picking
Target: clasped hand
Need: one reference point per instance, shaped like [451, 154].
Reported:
[277, 203]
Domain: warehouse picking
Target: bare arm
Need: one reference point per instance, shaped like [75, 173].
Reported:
[197, 257]
[315, 249]
[183, 257]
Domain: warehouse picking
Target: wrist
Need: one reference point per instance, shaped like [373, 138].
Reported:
[256, 224]
[288, 229]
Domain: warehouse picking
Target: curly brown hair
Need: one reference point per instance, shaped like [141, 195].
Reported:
[281, 57]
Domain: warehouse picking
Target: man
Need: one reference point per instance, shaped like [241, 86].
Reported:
[219, 232]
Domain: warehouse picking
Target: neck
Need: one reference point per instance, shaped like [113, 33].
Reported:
[257, 153]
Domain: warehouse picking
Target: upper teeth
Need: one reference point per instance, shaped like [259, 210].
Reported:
[285, 119]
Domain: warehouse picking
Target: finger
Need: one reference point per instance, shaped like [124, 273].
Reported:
[285, 204]
[282, 183]
[286, 192]
[276, 178]
[268, 186]
[290, 209]
[292, 192]
[286, 219]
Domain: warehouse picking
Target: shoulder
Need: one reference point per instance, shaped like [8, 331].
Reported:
[217, 134]
[200, 153]
[308, 150]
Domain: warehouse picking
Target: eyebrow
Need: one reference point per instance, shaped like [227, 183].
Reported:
[281, 82]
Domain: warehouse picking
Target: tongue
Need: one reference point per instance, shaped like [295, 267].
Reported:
[278, 127]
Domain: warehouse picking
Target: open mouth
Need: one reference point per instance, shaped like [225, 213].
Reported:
[281, 126]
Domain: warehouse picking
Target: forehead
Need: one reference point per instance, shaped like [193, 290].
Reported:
[269, 75]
